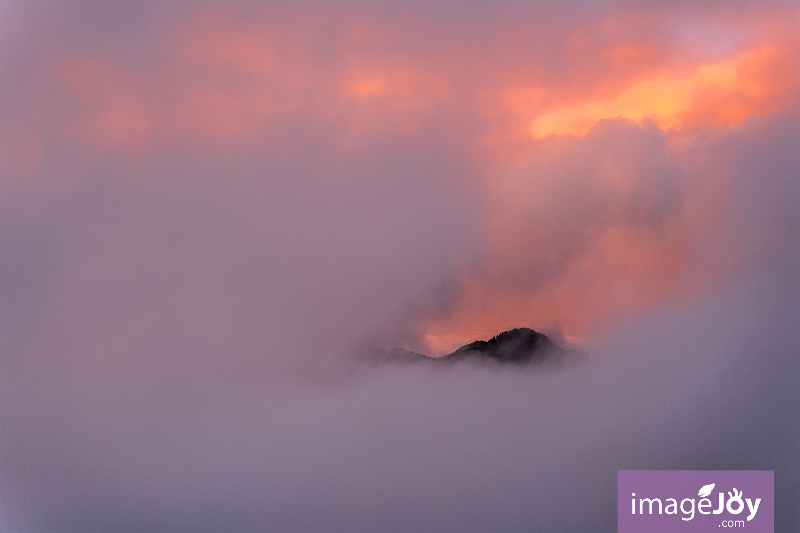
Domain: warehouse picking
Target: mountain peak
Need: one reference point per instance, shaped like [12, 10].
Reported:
[519, 345]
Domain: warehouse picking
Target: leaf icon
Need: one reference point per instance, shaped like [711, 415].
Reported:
[705, 490]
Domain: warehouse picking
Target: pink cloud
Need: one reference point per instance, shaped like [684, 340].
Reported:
[209, 209]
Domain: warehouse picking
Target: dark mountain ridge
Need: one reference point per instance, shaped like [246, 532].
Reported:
[521, 346]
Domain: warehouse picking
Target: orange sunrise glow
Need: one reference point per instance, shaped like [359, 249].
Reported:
[224, 81]
[398, 266]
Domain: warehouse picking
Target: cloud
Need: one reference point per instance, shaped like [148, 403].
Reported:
[207, 210]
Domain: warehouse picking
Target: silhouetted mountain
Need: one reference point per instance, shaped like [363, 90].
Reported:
[521, 346]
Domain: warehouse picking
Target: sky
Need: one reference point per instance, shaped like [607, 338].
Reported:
[214, 214]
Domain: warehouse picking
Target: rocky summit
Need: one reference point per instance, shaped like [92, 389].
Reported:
[520, 345]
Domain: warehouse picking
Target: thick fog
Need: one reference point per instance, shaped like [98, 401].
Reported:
[198, 262]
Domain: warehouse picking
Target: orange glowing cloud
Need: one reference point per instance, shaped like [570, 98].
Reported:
[615, 263]
[583, 232]
[723, 93]
[623, 272]
[578, 228]
[225, 78]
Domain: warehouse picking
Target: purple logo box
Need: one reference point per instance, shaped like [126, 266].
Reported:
[690, 501]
